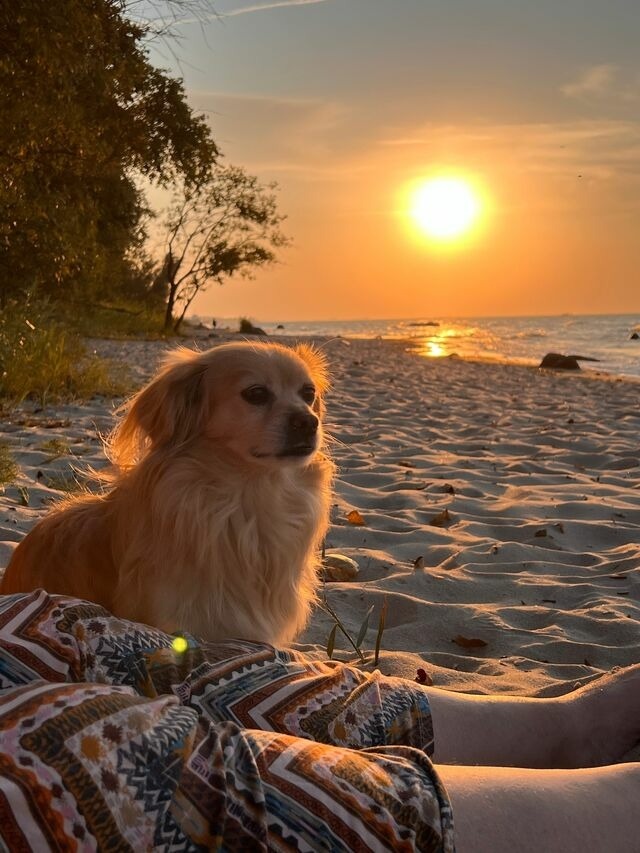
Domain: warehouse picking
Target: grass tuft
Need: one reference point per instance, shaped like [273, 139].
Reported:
[8, 467]
[55, 447]
[65, 482]
[42, 360]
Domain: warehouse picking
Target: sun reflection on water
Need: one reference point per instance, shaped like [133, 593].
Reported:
[443, 341]
[433, 349]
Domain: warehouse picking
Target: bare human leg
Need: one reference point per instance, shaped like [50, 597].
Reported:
[594, 725]
[502, 810]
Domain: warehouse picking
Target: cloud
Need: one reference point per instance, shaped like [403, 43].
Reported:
[605, 84]
[244, 10]
[596, 80]
[271, 4]
[595, 151]
[276, 134]
[312, 139]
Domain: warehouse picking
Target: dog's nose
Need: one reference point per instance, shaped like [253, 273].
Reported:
[303, 423]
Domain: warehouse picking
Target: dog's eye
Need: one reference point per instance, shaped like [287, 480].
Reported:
[308, 394]
[257, 395]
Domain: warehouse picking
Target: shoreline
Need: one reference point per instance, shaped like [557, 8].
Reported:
[200, 338]
[518, 340]
[501, 504]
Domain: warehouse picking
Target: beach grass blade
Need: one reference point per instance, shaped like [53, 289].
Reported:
[331, 641]
[326, 606]
[363, 628]
[381, 624]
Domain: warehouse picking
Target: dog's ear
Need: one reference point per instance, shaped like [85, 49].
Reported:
[166, 413]
[317, 366]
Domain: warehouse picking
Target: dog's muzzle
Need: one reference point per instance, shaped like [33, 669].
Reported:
[302, 434]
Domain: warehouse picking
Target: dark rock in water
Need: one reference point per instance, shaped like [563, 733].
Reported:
[279, 326]
[556, 361]
[426, 323]
[247, 328]
[635, 336]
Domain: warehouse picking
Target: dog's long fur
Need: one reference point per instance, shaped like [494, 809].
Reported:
[217, 510]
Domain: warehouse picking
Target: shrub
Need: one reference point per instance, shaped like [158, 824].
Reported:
[115, 319]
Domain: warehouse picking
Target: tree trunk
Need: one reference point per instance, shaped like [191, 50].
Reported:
[170, 271]
[184, 310]
[168, 314]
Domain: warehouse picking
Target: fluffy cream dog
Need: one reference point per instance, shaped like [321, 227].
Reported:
[219, 502]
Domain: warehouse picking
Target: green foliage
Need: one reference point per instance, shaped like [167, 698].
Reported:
[112, 318]
[42, 360]
[223, 226]
[8, 467]
[84, 115]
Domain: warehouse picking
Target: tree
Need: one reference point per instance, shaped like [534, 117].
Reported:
[84, 114]
[225, 225]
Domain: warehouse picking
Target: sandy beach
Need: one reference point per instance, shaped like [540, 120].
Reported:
[497, 510]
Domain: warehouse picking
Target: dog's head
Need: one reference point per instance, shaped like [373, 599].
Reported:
[260, 402]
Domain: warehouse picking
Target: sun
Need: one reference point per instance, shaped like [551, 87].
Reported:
[444, 208]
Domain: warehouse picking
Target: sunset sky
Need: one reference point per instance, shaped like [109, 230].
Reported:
[347, 104]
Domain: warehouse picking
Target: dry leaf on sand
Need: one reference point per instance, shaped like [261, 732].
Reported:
[355, 518]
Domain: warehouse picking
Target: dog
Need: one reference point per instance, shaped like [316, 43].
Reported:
[219, 501]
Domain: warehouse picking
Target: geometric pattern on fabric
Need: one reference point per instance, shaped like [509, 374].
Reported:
[381, 805]
[282, 691]
[106, 759]
[111, 740]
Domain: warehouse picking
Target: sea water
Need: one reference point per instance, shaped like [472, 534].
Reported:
[522, 340]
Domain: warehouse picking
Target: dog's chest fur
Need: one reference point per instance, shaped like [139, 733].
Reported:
[242, 558]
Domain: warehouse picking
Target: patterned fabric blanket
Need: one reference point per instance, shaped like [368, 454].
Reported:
[113, 736]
